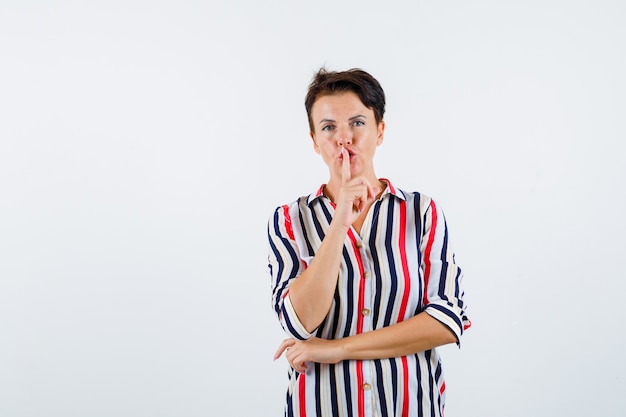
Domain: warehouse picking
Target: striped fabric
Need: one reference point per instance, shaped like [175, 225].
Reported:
[398, 266]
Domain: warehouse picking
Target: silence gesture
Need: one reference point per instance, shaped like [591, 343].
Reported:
[355, 195]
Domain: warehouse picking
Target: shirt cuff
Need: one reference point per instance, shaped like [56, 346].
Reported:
[448, 318]
[291, 322]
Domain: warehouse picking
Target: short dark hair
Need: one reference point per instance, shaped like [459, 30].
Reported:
[356, 80]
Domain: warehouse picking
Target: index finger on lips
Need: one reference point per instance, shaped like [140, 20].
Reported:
[345, 165]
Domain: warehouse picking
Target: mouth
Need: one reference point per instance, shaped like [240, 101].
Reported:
[351, 155]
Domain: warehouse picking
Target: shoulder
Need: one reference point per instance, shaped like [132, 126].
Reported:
[301, 202]
[293, 207]
[417, 199]
[411, 197]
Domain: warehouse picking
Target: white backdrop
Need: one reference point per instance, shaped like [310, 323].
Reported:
[144, 145]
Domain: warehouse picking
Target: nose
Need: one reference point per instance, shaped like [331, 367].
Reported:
[344, 136]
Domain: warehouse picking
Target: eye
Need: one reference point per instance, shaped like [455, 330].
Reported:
[327, 128]
[358, 123]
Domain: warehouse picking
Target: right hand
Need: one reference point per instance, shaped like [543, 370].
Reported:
[355, 195]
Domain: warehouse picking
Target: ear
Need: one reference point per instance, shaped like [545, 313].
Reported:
[381, 133]
[317, 148]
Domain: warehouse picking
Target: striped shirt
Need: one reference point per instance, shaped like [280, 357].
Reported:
[399, 265]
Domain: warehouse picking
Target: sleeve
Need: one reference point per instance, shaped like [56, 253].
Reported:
[285, 264]
[443, 295]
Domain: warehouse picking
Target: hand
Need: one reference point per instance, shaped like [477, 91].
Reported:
[355, 194]
[298, 352]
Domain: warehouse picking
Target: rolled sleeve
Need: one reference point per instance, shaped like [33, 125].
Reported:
[284, 264]
[443, 299]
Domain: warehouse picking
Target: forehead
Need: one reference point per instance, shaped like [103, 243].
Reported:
[346, 103]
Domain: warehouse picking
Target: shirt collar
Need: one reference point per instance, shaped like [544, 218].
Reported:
[390, 189]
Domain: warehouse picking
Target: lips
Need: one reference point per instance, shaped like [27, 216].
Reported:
[350, 154]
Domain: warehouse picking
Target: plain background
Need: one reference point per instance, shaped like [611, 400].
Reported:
[144, 145]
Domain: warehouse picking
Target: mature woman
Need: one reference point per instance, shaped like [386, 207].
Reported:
[364, 280]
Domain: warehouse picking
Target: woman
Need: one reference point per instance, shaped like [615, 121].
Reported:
[363, 277]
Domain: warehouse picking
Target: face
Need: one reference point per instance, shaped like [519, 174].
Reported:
[342, 120]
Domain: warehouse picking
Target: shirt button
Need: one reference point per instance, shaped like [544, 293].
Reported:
[366, 387]
[365, 311]
[366, 274]
[359, 244]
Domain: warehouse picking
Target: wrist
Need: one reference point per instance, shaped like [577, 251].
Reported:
[337, 226]
[341, 348]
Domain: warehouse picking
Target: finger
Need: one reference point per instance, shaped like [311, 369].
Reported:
[374, 192]
[298, 364]
[345, 166]
[287, 343]
[370, 192]
[300, 367]
[366, 193]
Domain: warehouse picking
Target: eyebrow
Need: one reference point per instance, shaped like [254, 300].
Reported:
[333, 121]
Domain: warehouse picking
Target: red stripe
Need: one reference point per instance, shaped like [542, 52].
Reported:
[302, 394]
[289, 229]
[361, 392]
[361, 299]
[391, 189]
[403, 304]
[359, 322]
[443, 388]
[288, 222]
[405, 387]
[405, 263]
[429, 246]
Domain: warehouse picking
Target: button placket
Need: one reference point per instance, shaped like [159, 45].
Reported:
[367, 282]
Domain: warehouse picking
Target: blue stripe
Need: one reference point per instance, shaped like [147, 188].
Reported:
[305, 234]
[334, 403]
[335, 320]
[288, 246]
[347, 387]
[376, 305]
[289, 408]
[347, 330]
[392, 266]
[457, 282]
[438, 376]
[394, 382]
[444, 262]
[381, 391]
[327, 215]
[318, 384]
[420, 390]
[290, 329]
[431, 387]
[447, 313]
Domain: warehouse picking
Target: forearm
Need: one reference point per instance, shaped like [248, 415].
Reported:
[312, 292]
[416, 334]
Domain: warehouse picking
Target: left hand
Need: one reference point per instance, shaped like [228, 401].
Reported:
[298, 352]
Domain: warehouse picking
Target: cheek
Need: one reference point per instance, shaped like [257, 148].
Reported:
[327, 153]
